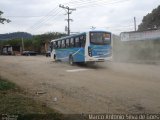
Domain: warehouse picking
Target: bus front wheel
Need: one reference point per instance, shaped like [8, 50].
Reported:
[54, 57]
[71, 62]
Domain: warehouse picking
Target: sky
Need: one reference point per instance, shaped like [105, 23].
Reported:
[43, 16]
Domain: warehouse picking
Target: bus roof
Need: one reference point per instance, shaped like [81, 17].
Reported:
[74, 35]
[69, 36]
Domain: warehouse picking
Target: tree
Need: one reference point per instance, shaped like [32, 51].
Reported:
[151, 20]
[35, 43]
[2, 20]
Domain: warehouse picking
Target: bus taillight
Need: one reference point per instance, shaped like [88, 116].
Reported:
[90, 51]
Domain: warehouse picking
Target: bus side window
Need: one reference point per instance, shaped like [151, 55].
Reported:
[77, 42]
[53, 44]
[72, 43]
[59, 44]
[67, 43]
[56, 44]
[82, 41]
[63, 43]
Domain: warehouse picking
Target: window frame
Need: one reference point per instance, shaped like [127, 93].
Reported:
[103, 41]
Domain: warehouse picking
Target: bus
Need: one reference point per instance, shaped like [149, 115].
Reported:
[86, 47]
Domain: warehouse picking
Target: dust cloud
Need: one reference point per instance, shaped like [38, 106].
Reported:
[140, 51]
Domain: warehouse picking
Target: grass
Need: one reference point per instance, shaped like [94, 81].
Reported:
[13, 101]
[6, 85]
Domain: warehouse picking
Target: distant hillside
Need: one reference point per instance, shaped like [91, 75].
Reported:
[10, 36]
[151, 20]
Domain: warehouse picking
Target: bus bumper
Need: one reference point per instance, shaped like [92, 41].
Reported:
[93, 59]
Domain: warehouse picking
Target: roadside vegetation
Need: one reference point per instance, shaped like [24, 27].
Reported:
[151, 20]
[14, 101]
[35, 43]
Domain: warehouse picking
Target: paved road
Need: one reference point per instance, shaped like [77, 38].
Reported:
[105, 88]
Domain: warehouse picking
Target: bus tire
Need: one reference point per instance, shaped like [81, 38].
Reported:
[71, 62]
[54, 57]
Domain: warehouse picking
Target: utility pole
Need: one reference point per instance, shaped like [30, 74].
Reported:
[22, 45]
[69, 11]
[135, 24]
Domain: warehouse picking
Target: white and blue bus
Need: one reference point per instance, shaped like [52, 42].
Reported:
[92, 46]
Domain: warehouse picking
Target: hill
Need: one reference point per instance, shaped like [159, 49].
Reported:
[10, 36]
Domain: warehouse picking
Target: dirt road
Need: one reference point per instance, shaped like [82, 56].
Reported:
[106, 88]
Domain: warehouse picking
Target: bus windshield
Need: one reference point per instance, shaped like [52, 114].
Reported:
[100, 38]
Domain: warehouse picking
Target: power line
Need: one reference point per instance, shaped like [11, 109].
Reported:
[29, 16]
[46, 16]
[95, 3]
[78, 3]
[40, 25]
[110, 28]
[44, 19]
[37, 25]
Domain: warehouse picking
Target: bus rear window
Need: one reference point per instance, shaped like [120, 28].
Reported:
[100, 38]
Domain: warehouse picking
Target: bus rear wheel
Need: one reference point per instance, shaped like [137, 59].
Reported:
[71, 62]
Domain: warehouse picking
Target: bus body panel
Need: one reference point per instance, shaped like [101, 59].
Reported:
[99, 51]
[77, 54]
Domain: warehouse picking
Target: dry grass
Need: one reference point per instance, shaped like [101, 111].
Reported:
[14, 101]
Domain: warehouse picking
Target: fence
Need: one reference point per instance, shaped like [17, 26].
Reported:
[145, 35]
[137, 46]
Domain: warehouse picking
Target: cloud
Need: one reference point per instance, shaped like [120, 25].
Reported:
[105, 14]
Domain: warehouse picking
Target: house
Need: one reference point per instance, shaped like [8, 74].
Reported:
[11, 50]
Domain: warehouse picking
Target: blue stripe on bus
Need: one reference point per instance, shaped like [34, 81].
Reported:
[99, 51]
[77, 53]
